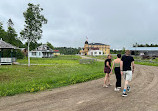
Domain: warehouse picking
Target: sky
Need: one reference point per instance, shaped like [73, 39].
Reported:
[118, 23]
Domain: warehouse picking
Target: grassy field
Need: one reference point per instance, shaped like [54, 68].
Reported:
[62, 71]
[103, 57]
[146, 63]
[137, 60]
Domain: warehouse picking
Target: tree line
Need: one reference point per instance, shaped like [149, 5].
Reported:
[31, 33]
[145, 45]
[68, 50]
[11, 36]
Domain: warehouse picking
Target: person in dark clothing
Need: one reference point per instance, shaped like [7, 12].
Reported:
[116, 67]
[127, 71]
[107, 70]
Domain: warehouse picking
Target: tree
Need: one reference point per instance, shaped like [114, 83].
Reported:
[33, 45]
[123, 50]
[33, 27]
[11, 33]
[50, 45]
[68, 50]
[146, 45]
[2, 31]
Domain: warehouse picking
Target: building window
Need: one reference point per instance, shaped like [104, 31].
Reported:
[95, 52]
[100, 53]
[39, 53]
[34, 53]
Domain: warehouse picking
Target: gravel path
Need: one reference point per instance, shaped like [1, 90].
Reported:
[90, 96]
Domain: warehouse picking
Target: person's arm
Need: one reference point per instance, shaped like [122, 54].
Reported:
[132, 66]
[121, 67]
[112, 66]
[107, 64]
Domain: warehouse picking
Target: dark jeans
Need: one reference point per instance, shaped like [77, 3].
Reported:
[118, 76]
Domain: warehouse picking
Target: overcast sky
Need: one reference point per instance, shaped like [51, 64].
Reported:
[119, 23]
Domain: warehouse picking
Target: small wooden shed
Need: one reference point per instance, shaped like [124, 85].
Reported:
[3, 46]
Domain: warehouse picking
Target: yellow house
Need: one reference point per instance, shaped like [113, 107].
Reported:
[56, 52]
[90, 46]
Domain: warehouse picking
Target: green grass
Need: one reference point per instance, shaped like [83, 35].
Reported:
[54, 60]
[136, 58]
[17, 79]
[146, 63]
[103, 57]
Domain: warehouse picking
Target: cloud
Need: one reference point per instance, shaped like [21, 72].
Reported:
[116, 23]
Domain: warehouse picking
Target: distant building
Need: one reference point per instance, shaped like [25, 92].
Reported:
[42, 51]
[144, 51]
[95, 52]
[56, 52]
[95, 49]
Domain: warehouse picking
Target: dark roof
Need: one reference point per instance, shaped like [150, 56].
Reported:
[5, 45]
[86, 42]
[96, 44]
[43, 48]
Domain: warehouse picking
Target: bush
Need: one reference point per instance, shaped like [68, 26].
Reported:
[19, 54]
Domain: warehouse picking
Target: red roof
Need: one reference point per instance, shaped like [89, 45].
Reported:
[56, 50]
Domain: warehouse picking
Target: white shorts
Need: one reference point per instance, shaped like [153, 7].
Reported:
[127, 75]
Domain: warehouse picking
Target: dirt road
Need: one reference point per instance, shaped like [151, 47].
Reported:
[90, 96]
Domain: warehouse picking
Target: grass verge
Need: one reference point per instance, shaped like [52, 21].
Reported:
[66, 70]
[146, 63]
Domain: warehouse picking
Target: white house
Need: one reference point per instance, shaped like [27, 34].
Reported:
[42, 51]
[95, 52]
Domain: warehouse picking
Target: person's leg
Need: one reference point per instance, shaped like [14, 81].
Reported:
[108, 79]
[119, 79]
[105, 80]
[125, 85]
[116, 73]
[116, 80]
[128, 77]
[125, 89]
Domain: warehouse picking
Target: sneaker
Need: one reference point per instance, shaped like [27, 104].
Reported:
[116, 89]
[128, 89]
[105, 86]
[124, 95]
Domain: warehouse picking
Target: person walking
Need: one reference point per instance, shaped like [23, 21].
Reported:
[116, 67]
[107, 70]
[127, 71]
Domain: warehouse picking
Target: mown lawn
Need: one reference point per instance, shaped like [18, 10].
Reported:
[146, 63]
[103, 57]
[63, 71]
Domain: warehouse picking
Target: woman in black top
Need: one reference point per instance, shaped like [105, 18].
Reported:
[107, 70]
